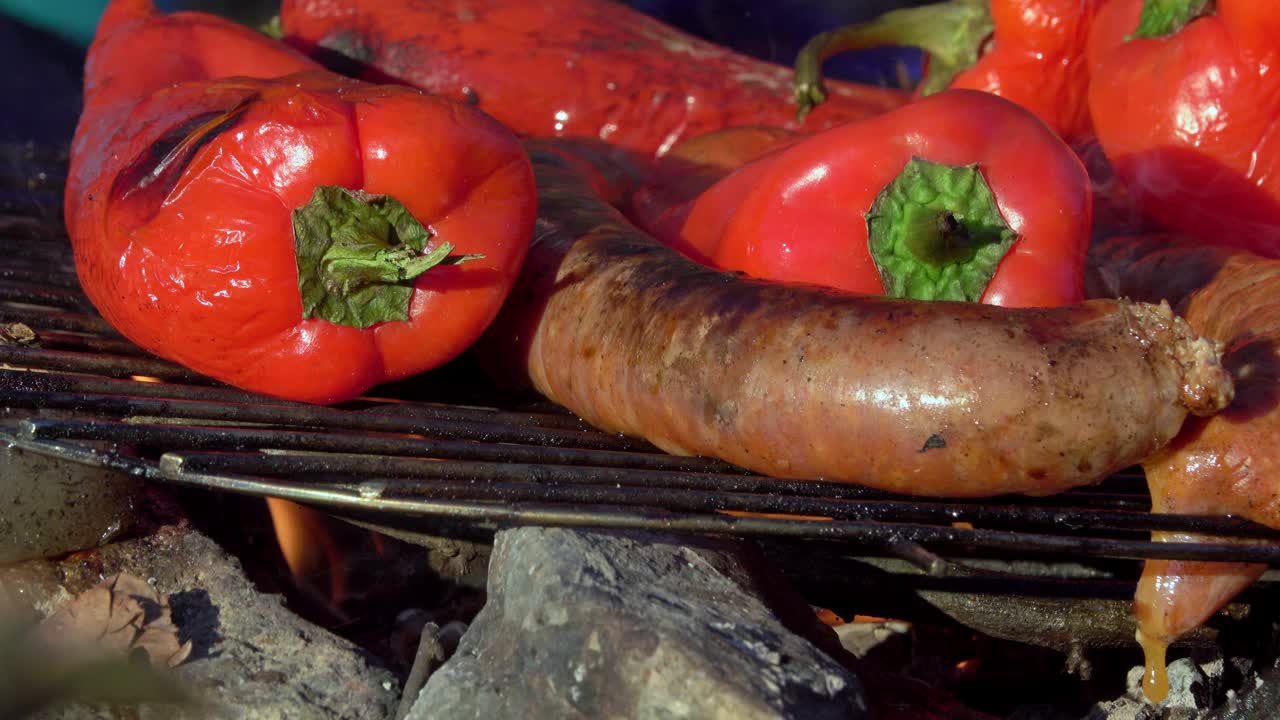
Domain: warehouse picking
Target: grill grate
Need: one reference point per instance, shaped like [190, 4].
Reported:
[86, 395]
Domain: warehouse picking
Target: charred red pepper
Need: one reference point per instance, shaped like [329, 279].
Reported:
[1186, 103]
[592, 70]
[1029, 51]
[307, 236]
[957, 196]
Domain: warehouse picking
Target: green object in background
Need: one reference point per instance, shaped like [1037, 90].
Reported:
[72, 20]
[76, 20]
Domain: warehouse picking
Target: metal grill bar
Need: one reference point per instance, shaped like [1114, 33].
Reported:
[21, 230]
[70, 322]
[312, 417]
[366, 499]
[109, 365]
[625, 486]
[58, 340]
[43, 294]
[59, 269]
[20, 271]
[228, 438]
[51, 383]
[40, 382]
[174, 437]
[501, 481]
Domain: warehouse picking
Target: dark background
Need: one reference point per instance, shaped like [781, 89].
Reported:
[43, 57]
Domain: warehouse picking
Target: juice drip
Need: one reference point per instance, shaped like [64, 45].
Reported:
[1155, 676]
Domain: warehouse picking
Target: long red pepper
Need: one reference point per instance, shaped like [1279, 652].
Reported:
[592, 70]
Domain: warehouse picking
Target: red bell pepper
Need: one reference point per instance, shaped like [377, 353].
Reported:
[298, 236]
[1186, 103]
[958, 196]
[1029, 51]
[591, 70]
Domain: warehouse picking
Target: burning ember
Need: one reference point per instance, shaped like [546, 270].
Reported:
[307, 545]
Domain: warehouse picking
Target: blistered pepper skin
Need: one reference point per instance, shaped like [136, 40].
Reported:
[1038, 61]
[584, 69]
[1031, 52]
[183, 185]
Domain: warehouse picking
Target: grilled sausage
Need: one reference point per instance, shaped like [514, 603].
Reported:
[942, 399]
[1224, 465]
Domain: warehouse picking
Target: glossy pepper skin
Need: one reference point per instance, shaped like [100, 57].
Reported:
[1037, 60]
[1031, 52]
[183, 185]
[1191, 120]
[592, 70]
[800, 214]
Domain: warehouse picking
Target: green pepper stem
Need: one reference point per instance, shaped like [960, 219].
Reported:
[935, 237]
[272, 28]
[358, 255]
[951, 32]
[346, 271]
[935, 232]
[1166, 17]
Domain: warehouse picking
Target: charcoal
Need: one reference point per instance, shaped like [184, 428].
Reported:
[49, 507]
[1193, 685]
[1189, 686]
[251, 656]
[1259, 701]
[585, 624]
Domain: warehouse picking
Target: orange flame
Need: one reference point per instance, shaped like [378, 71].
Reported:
[145, 379]
[875, 619]
[307, 545]
[829, 618]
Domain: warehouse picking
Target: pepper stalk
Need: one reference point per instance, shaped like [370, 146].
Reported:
[1161, 18]
[936, 233]
[358, 255]
[951, 33]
